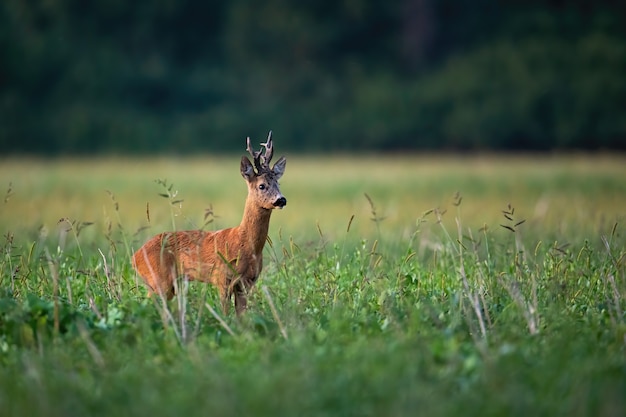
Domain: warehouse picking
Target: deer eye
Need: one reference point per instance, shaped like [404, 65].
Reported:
[261, 186]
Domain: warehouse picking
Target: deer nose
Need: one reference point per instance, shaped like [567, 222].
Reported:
[281, 202]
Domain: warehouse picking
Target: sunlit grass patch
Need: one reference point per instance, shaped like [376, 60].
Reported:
[325, 192]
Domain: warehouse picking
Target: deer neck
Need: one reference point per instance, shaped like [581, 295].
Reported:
[254, 226]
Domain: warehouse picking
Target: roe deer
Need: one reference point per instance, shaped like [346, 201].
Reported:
[231, 259]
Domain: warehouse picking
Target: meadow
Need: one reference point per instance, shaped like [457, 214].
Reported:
[396, 285]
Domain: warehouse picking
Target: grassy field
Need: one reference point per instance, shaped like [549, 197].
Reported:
[407, 285]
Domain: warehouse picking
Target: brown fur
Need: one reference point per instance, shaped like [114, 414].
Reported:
[231, 259]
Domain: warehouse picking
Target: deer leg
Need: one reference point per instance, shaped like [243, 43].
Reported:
[225, 295]
[241, 301]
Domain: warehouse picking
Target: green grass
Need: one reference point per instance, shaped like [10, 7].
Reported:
[461, 286]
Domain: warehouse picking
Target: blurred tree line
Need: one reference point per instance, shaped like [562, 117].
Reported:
[184, 76]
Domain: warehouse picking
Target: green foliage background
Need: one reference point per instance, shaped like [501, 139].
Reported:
[187, 76]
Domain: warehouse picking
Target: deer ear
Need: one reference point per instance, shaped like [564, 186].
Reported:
[247, 171]
[279, 167]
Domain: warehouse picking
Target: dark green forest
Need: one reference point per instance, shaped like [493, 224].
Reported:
[183, 76]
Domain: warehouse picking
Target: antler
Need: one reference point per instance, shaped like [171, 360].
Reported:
[269, 150]
[254, 154]
[262, 162]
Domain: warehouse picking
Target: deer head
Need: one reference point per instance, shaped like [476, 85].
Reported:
[263, 180]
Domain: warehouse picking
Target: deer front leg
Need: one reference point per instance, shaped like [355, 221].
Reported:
[225, 295]
[241, 298]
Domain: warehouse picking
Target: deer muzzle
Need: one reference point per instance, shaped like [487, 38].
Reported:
[281, 202]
